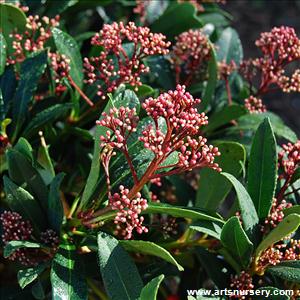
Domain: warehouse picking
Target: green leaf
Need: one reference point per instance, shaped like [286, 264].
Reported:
[287, 270]
[22, 172]
[296, 175]
[27, 276]
[120, 275]
[211, 228]
[224, 116]
[262, 169]
[3, 50]
[21, 201]
[126, 99]
[24, 147]
[12, 246]
[229, 47]
[37, 290]
[31, 71]
[295, 209]
[67, 46]
[176, 19]
[234, 238]
[150, 248]
[55, 207]
[49, 115]
[11, 18]
[67, 277]
[149, 291]
[248, 212]
[210, 87]
[8, 85]
[180, 212]
[286, 227]
[233, 156]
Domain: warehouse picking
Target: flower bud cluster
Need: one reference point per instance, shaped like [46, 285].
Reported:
[128, 212]
[190, 53]
[115, 64]
[37, 33]
[225, 70]
[50, 238]
[289, 158]
[241, 282]
[255, 105]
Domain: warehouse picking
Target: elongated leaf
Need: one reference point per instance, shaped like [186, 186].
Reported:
[248, 212]
[26, 276]
[37, 290]
[12, 246]
[262, 170]
[176, 19]
[24, 147]
[149, 291]
[181, 212]
[150, 248]
[233, 156]
[211, 228]
[67, 46]
[115, 267]
[224, 116]
[126, 99]
[289, 225]
[229, 47]
[3, 50]
[55, 207]
[46, 116]
[67, 277]
[31, 71]
[22, 172]
[295, 209]
[288, 270]
[8, 85]
[21, 201]
[211, 82]
[234, 238]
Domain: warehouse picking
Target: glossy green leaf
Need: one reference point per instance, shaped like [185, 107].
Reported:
[229, 47]
[46, 116]
[234, 238]
[8, 85]
[55, 207]
[295, 209]
[22, 172]
[210, 87]
[120, 275]
[180, 212]
[31, 71]
[126, 99]
[24, 147]
[286, 227]
[3, 50]
[21, 201]
[224, 116]
[11, 18]
[67, 276]
[207, 227]
[176, 19]
[287, 270]
[262, 169]
[67, 46]
[150, 248]
[27, 276]
[149, 291]
[12, 246]
[248, 212]
[233, 156]
[296, 175]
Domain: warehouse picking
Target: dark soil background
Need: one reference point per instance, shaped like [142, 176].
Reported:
[250, 18]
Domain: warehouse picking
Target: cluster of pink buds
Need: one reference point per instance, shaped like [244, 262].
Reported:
[16, 229]
[37, 33]
[141, 9]
[255, 105]
[60, 65]
[128, 212]
[241, 282]
[50, 238]
[280, 47]
[278, 253]
[115, 65]
[225, 70]
[276, 214]
[289, 158]
[190, 53]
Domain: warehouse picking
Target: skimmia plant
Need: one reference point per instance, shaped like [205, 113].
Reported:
[139, 159]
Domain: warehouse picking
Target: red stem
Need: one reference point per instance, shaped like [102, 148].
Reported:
[227, 85]
[129, 161]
